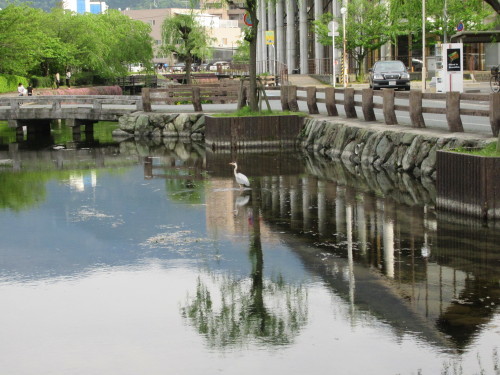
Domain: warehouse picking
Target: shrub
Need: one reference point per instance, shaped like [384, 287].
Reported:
[39, 82]
[8, 83]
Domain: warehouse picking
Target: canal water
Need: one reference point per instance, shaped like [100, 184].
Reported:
[137, 259]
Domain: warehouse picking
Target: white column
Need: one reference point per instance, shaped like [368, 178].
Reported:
[280, 32]
[290, 35]
[263, 23]
[318, 47]
[271, 25]
[303, 37]
[259, 34]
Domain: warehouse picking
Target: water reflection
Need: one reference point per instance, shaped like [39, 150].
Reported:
[237, 311]
[372, 239]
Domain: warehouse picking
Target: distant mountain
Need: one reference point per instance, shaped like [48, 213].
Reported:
[47, 5]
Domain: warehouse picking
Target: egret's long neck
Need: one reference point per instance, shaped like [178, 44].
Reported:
[235, 168]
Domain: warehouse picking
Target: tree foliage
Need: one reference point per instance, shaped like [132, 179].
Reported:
[371, 24]
[34, 42]
[183, 36]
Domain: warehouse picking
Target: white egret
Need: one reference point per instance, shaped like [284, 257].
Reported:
[241, 179]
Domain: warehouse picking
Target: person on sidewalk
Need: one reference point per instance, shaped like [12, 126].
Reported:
[68, 77]
[21, 90]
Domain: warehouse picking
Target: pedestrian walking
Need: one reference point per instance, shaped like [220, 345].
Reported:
[68, 78]
[29, 89]
[58, 80]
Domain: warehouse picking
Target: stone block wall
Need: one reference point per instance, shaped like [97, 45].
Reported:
[161, 125]
[392, 148]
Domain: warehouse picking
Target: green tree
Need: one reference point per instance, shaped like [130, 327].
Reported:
[20, 39]
[242, 54]
[184, 36]
[366, 29]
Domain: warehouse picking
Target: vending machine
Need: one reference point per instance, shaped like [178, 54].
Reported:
[449, 67]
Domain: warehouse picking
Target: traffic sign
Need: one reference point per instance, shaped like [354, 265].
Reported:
[460, 26]
[269, 37]
[247, 20]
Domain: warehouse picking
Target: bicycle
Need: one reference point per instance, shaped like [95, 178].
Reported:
[495, 79]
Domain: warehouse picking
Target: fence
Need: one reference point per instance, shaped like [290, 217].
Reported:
[452, 100]
[333, 97]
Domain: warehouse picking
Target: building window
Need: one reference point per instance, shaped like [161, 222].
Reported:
[80, 6]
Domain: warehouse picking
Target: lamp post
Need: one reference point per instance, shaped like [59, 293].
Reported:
[343, 11]
[424, 65]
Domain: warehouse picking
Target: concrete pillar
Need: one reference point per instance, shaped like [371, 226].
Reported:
[304, 69]
[259, 35]
[263, 24]
[290, 35]
[280, 31]
[271, 25]
[318, 47]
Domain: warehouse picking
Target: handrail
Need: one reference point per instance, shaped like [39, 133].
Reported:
[451, 100]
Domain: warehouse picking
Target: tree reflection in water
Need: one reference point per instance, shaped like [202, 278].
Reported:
[235, 312]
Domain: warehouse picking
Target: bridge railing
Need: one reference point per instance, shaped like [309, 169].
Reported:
[56, 102]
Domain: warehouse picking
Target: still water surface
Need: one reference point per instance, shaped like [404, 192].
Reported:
[128, 259]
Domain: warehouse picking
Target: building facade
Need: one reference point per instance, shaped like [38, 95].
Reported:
[226, 32]
[85, 6]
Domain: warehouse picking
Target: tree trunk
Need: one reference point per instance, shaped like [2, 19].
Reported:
[189, 60]
[252, 93]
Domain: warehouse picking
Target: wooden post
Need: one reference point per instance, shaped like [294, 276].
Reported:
[388, 107]
[349, 108]
[311, 100]
[367, 104]
[292, 99]
[146, 100]
[197, 99]
[330, 101]
[495, 112]
[453, 112]
[242, 95]
[416, 115]
[284, 98]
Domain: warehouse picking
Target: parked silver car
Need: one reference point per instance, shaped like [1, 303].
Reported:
[389, 74]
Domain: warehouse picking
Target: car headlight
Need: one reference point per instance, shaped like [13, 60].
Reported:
[378, 76]
[405, 76]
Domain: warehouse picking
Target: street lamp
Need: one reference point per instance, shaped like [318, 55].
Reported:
[343, 11]
[424, 65]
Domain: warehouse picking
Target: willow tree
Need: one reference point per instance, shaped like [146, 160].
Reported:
[183, 35]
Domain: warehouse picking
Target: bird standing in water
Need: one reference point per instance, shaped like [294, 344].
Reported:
[241, 179]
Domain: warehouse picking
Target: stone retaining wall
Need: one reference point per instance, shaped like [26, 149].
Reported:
[392, 148]
[161, 125]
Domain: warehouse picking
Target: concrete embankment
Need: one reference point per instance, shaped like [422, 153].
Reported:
[392, 148]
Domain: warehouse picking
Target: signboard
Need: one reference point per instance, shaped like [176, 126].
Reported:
[247, 20]
[454, 60]
[333, 27]
[269, 37]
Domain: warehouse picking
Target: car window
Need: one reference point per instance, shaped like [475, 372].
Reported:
[388, 66]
